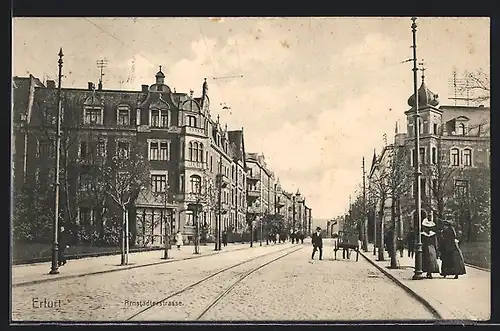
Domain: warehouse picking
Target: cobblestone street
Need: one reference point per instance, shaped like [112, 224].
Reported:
[292, 288]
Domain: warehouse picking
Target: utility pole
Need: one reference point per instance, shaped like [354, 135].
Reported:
[218, 243]
[167, 225]
[365, 219]
[55, 244]
[101, 64]
[293, 214]
[418, 211]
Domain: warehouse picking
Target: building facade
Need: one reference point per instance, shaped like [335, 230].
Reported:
[197, 169]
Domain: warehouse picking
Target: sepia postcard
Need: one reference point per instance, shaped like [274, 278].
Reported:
[221, 169]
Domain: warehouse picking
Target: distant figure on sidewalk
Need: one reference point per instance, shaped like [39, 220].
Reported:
[451, 255]
[301, 238]
[317, 242]
[410, 242]
[277, 239]
[292, 237]
[400, 246]
[63, 244]
[224, 238]
[178, 240]
[429, 248]
[389, 244]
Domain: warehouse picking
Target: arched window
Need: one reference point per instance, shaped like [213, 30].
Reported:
[195, 152]
[195, 184]
[191, 121]
[455, 157]
[190, 150]
[461, 129]
[467, 157]
[200, 153]
[420, 126]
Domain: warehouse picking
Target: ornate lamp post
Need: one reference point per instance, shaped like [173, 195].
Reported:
[55, 244]
[418, 274]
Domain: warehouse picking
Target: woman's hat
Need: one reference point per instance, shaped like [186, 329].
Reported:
[447, 222]
[428, 223]
[318, 228]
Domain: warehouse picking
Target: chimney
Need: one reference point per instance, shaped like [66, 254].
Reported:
[91, 85]
[145, 88]
[51, 84]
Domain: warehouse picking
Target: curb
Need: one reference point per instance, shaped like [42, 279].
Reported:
[34, 282]
[404, 287]
[476, 267]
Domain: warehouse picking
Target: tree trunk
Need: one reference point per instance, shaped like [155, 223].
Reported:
[393, 250]
[381, 232]
[123, 236]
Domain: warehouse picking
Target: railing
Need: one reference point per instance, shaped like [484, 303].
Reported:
[254, 210]
[195, 131]
[254, 193]
[253, 177]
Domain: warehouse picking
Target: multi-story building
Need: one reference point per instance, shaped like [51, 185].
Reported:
[454, 142]
[186, 150]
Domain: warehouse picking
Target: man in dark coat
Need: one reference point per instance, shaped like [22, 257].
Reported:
[317, 242]
[63, 244]
[224, 238]
[410, 243]
[301, 238]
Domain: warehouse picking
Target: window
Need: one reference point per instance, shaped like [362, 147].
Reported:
[123, 116]
[189, 219]
[435, 186]
[461, 129]
[181, 183]
[435, 128]
[50, 117]
[158, 183]
[85, 182]
[83, 149]
[159, 150]
[93, 116]
[101, 147]
[85, 216]
[423, 186]
[422, 155]
[467, 157]
[420, 126]
[138, 117]
[45, 149]
[123, 149]
[191, 121]
[164, 119]
[195, 151]
[434, 155]
[461, 188]
[211, 163]
[153, 150]
[195, 184]
[455, 157]
[155, 118]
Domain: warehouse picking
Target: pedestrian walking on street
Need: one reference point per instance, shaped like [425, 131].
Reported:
[429, 248]
[63, 244]
[451, 255]
[277, 238]
[224, 238]
[301, 238]
[410, 242]
[400, 246]
[178, 240]
[292, 237]
[317, 242]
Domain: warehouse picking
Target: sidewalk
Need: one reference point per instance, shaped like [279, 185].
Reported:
[465, 298]
[38, 272]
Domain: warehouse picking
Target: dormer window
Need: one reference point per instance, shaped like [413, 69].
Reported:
[461, 129]
[123, 115]
[159, 118]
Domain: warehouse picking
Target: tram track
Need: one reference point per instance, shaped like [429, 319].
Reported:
[233, 281]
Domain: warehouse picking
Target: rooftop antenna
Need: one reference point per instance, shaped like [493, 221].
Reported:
[101, 64]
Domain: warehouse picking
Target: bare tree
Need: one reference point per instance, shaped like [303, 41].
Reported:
[479, 82]
[126, 174]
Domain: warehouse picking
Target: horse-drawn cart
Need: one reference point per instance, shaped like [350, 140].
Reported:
[347, 242]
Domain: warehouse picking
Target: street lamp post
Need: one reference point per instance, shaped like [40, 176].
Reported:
[418, 274]
[55, 244]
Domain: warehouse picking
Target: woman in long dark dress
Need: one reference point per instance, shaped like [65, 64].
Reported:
[429, 248]
[451, 255]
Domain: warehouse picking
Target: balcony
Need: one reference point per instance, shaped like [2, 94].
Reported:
[254, 210]
[193, 197]
[253, 194]
[223, 180]
[194, 165]
[224, 208]
[280, 203]
[199, 132]
[253, 177]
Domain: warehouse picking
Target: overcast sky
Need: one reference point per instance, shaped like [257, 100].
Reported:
[317, 94]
